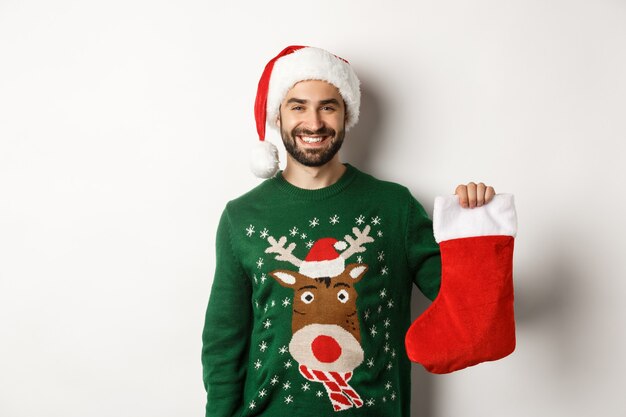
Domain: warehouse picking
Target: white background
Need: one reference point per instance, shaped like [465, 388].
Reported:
[125, 127]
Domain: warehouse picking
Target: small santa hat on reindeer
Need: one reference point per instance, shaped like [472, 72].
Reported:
[323, 259]
[292, 65]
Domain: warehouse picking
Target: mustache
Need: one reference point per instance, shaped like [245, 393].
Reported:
[322, 131]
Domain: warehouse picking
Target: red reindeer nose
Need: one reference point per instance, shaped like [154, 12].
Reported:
[326, 349]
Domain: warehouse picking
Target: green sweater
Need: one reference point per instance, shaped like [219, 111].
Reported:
[310, 300]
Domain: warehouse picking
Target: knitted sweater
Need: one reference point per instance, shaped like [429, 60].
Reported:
[310, 300]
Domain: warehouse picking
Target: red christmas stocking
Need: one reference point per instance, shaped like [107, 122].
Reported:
[471, 320]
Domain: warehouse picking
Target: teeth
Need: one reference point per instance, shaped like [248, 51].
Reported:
[309, 139]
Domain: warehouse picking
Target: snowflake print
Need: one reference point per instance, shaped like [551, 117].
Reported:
[264, 233]
[303, 236]
[274, 380]
[309, 244]
[383, 293]
[389, 303]
[366, 314]
[386, 348]
[287, 385]
[287, 364]
[265, 308]
[262, 393]
[288, 399]
[380, 233]
[393, 353]
[386, 335]
[282, 350]
[360, 220]
[369, 402]
[314, 222]
[384, 399]
[387, 323]
[257, 364]
[273, 303]
[381, 255]
[259, 263]
[319, 393]
[376, 220]
[373, 331]
[388, 385]
[286, 302]
[389, 366]
[263, 346]
[334, 219]
[359, 259]
[379, 309]
[250, 230]
[393, 395]
[267, 323]
[263, 278]
[255, 280]
[252, 405]
[370, 362]
[384, 271]
[293, 231]
[306, 386]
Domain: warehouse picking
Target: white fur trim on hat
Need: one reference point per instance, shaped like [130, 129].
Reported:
[318, 269]
[313, 64]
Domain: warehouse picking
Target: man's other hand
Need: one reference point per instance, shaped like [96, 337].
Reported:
[474, 195]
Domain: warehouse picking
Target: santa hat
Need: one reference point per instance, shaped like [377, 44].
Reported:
[323, 259]
[292, 65]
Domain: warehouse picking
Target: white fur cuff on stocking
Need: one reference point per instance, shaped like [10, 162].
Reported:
[451, 221]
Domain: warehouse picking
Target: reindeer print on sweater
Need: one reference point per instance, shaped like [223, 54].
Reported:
[326, 339]
[326, 326]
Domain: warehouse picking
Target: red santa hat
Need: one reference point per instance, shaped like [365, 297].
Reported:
[323, 259]
[292, 65]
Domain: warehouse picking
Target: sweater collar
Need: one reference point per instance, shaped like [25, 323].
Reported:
[317, 194]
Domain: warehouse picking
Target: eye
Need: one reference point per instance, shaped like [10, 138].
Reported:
[307, 297]
[297, 108]
[343, 296]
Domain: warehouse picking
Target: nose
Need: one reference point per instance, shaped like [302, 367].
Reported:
[313, 121]
[325, 349]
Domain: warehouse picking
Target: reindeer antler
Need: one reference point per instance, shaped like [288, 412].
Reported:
[356, 245]
[284, 254]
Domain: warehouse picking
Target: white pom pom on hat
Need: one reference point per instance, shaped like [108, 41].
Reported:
[264, 159]
[292, 65]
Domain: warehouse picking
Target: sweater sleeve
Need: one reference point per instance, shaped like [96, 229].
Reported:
[227, 327]
[423, 254]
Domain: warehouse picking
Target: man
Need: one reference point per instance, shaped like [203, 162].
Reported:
[310, 302]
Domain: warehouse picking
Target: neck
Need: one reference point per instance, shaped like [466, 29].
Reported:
[313, 178]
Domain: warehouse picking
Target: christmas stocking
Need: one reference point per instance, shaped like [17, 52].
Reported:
[471, 320]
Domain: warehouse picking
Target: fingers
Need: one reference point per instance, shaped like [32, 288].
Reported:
[474, 195]
[471, 194]
[489, 194]
[461, 192]
[480, 194]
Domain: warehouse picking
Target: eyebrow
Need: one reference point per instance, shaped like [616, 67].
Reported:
[322, 102]
[307, 286]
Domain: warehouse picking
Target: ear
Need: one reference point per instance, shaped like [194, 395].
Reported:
[356, 271]
[285, 277]
[278, 117]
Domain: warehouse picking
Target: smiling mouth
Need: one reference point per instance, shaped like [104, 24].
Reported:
[312, 140]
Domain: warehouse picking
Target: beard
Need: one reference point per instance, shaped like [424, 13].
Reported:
[313, 157]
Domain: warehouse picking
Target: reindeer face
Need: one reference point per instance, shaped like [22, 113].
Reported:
[325, 324]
